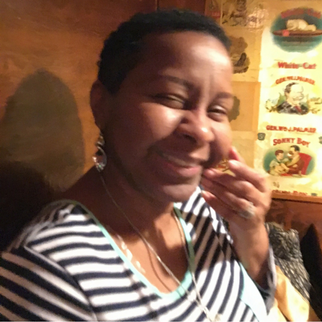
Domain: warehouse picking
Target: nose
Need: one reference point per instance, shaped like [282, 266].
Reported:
[197, 127]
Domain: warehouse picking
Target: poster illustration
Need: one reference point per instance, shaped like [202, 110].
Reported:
[245, 53]
[235, 13]
[238, 54]
[289, 139]
[290, 160]
[243, 13]
[297, 29]
[276, 51]
[294, 95]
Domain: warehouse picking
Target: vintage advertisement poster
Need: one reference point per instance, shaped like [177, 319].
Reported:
[276, 51]
[291, 157]
[245, 54]
[243, 21]
[289, 140]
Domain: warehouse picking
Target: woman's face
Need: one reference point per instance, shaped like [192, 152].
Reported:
[169, 119]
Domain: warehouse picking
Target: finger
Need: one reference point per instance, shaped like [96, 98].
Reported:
[219, 206]
[234, 155]
[244, 172]
[216, 182]
[236, 202]
[240, 169]
[239, 201]
[225, 211]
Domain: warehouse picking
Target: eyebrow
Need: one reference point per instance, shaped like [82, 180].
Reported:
[177, 80]
[188, 85]
[225, 95]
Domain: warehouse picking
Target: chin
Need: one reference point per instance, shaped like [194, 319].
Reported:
[178, 193]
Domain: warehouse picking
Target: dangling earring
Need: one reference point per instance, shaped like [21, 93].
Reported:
[99, 157]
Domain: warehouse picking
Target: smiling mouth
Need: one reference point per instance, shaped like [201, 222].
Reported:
[180, 162]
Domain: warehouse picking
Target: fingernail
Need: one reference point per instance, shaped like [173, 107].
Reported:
[210, 172]
[206, 172]
[233, 164]
[205, 194]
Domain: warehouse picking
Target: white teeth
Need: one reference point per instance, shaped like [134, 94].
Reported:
[177, 161]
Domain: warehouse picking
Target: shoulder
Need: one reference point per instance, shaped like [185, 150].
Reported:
[55, 218]
[42, 288]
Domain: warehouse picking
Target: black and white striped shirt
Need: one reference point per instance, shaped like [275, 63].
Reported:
[65, 266]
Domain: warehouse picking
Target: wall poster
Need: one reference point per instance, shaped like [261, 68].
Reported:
[289, 139]
[277, 58]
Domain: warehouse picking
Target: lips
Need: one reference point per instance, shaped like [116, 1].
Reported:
[172, 165]
[181, 161]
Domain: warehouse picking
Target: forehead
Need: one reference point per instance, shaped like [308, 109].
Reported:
[184, 41]
[192, 55]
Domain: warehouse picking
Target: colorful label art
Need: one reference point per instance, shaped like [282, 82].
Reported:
[289, 140]
[298, 29]
[294, 95]
[291, 158]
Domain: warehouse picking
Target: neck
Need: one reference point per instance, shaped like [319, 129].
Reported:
[124, 200]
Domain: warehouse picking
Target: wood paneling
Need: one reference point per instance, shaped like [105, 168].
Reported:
[195, 5]
[100, 16]
[48, 55]
[297, 215]
[297, 197]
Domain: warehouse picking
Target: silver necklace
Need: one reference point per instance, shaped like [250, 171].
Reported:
[190, 297]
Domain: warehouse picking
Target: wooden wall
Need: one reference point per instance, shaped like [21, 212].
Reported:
[298, 215]
[48, 55]
[195, 5]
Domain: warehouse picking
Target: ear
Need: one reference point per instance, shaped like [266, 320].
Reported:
[100, 104]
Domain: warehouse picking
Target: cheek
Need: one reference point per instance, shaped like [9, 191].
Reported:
[160, 123]
[219, 149]
[147, 125]
[224, 135]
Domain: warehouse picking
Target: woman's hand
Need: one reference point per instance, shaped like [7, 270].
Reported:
[243, 199]
[245, 193]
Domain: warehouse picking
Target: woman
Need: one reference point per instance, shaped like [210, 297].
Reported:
[125, 244]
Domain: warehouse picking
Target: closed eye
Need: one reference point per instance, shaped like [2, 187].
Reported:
[218, 112]
[172, 101]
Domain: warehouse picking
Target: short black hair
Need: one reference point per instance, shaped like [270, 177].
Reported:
[296, 147]
[121, 48]
[277, 152]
